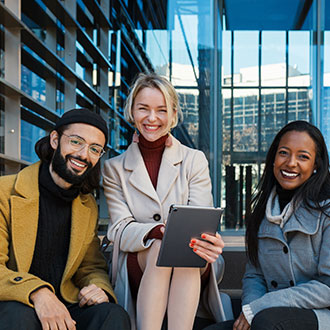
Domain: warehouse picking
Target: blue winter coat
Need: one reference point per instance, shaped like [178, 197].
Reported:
[294, 266]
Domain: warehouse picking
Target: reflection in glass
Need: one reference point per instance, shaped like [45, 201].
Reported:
[157, 50]
[325, 126]
[299, 58]
[2, 125]
[273, 62]
[226, 115]
[326, 76]
[325, 112]
[226, 58]
[2, 53]
[273, 115]
[184, 65]
[30, 134]
[33, 85]
[245, 106]
[189, 101]
[299, 107]
[246, 58]
[191, 67]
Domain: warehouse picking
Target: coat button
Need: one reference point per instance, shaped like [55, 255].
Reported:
[285, 249]
[291, 283]
[157, 217]
[274, 284]
[18, 278]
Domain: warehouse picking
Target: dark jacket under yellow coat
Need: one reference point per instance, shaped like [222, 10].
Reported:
[19, 213]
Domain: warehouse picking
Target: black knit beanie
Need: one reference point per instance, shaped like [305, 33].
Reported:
[83, 116]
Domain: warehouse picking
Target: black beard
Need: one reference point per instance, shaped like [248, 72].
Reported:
[59, 166]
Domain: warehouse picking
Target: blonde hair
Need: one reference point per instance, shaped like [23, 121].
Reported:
[153, 80]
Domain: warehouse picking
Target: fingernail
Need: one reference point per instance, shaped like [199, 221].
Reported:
[193, 241]
[191, 245]
[194, 250]
[203, 236]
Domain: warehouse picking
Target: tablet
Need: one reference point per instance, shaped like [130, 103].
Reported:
[184, 223]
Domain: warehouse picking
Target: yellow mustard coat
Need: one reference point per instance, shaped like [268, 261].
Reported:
[19, 213]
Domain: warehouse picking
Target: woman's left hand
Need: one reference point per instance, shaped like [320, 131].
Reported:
[209, 248]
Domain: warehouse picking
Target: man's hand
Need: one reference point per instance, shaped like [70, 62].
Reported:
[92, 295]
[241, 323]
[51, 311]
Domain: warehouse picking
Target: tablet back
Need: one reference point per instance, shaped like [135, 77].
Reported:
[184, 223]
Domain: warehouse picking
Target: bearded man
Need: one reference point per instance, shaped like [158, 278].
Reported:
[52, 274]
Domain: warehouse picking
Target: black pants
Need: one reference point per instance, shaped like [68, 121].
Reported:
[277, 318]
[106, 316]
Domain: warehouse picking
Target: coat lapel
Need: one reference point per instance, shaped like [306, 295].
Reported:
[79, 225]
[304, 220]
[169, 170]
[25, 211]
[139, 177]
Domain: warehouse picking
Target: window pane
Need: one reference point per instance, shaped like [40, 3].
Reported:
[272, 115]
[2, 124]
[226, 58]
[189, 101]
[273, 69]
[299, 57]
[226, 115]
[30, 134]
[157, 50]
[245, 120]
[246, 58]
[326, 76]
[299, 105]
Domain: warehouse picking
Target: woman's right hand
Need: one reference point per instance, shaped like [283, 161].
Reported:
[241, 323]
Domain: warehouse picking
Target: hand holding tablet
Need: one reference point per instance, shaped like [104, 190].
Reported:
[208, 247]
[183, 230]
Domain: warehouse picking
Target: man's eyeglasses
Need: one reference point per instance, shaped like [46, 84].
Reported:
[77, 143]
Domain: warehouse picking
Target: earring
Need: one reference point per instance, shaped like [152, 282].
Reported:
[314, 172]
[169, 141]
[135, 137]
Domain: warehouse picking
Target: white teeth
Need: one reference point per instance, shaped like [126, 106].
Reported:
[291, 175]
[77, 164]
[151, 127]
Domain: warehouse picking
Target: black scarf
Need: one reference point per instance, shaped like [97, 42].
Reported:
[54, 228]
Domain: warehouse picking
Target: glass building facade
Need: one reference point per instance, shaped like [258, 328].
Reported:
[242, 69]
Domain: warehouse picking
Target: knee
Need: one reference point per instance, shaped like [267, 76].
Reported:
[114, 314]
[187, 272]
[111, 308]
[155, 246]
[264, 320]
[15, 315]
[153, 251]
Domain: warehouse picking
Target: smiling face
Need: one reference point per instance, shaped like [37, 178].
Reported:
[151, 116]
[69, 165]
[295, 159]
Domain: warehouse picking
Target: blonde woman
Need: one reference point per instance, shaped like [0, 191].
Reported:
[141, 184]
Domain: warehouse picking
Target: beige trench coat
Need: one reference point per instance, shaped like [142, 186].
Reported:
[183, 179]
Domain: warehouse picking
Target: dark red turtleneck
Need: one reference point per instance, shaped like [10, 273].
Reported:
[152, 153]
